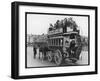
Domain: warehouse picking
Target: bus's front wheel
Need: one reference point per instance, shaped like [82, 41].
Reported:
[58, 57]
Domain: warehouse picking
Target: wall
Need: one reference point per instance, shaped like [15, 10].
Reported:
[5, 42]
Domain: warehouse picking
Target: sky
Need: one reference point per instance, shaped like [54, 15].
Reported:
[39, 23]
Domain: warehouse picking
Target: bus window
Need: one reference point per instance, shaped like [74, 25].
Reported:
[50, 42]
[61, 42]
[53, 42]
[56, 41]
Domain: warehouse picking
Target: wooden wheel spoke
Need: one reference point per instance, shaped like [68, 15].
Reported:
[49, 56]
[58, 57]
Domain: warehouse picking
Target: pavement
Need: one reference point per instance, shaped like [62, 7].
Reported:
[31, 62]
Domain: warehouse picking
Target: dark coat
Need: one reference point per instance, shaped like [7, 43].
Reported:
[34, 49]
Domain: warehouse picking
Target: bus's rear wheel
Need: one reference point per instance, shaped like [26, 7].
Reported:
[74, 61]
[58, 57]
[49, 56]
[78, 51]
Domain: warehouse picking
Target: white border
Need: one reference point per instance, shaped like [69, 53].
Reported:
[52, 70]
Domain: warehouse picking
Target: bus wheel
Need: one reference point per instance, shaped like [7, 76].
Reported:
[58, 57]
[74, 61]
[49, 56]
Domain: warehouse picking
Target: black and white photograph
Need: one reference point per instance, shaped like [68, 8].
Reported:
[57, 40]
[50, 40]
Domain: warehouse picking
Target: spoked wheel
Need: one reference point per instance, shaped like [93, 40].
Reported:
[58, 58]
[49, 56]
[74, 61]
[78, 52]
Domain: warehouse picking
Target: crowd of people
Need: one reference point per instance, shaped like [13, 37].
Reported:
[66, 22]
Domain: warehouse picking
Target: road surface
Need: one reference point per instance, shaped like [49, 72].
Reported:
[31, 62]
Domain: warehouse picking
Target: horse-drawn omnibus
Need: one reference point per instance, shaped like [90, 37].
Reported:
[63, 43]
